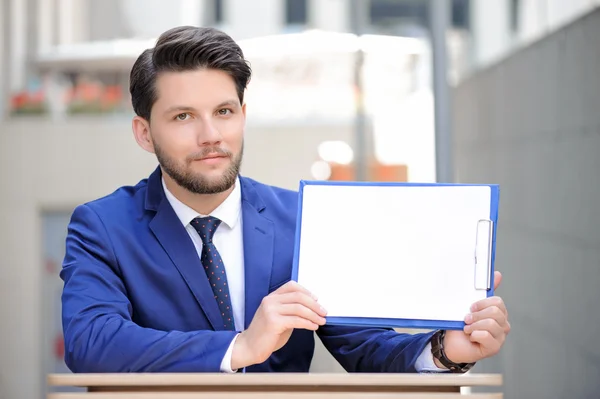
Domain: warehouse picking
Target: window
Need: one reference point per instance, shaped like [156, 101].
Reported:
[213, 12]
[296, 12]
[396, 13]
[388, 12]
[218, 11]
[460, 14]
[514, 15]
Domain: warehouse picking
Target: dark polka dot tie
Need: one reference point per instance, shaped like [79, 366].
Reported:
[214, 268]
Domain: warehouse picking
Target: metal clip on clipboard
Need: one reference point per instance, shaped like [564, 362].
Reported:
[483, 254]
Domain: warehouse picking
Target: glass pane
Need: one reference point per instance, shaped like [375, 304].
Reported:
[296, 12]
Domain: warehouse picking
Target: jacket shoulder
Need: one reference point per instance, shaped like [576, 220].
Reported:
[124, 200]
[273, 195]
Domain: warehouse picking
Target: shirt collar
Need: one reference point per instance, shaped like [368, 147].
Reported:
[228, 212]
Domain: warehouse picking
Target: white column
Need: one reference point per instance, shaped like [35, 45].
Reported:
[246, 19]
[191, 12]
[65, 21]
[3, 79]
[150, 18]
[329, 15]
[491, 30]
[81, 24]
[532, 19]
[73, 20]
[45, 22]
[17, 45]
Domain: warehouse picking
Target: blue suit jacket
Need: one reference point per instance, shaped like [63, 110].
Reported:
[135, 298]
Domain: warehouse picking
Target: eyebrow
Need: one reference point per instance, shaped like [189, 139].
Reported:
[230, 103]
[185, 108]
[179, 108]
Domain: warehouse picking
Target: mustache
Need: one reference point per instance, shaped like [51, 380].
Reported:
[209, 151]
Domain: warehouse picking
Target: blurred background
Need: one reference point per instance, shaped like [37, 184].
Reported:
[471, 91]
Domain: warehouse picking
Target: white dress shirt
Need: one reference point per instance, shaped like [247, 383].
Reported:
[230, 243]
[228, 240]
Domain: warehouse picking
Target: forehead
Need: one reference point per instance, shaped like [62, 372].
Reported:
[196, 88]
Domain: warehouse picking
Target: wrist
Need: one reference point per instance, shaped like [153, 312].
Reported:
[242, 355]
[449, 353]
[439, 364]
[445, 360]
[452, 353]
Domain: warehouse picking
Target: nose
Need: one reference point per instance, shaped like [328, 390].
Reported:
[208, 133]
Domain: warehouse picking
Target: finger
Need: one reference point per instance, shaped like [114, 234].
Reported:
[489, 325]
[497, 279]
[489, 345]
[292, 286]
[292, 322]
[298, 310]
[492, 312]
[302, 299]
[489, 302]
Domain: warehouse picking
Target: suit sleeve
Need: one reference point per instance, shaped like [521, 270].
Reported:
[99, 333]
[374, 350]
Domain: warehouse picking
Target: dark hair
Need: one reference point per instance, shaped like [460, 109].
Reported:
[181, 49]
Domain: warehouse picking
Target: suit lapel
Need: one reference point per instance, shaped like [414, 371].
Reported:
[176, 242]
[258, 234]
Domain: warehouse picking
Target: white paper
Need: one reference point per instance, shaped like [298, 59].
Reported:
[401, 252]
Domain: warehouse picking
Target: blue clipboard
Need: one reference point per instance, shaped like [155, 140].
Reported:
[483, 281]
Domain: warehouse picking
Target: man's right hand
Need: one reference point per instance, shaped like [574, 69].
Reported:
[279, 313]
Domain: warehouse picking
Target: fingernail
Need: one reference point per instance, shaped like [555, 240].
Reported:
[468, 319]
[323, 310]
[473, 307]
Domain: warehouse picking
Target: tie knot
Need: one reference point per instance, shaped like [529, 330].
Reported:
[206, 228]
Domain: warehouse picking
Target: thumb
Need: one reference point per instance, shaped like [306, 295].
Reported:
[497, 279]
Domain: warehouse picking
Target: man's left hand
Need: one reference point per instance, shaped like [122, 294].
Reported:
[484, 333]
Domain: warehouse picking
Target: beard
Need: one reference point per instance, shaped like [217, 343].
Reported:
[197, 183]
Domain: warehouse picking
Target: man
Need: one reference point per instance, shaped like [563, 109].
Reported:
[189, 270]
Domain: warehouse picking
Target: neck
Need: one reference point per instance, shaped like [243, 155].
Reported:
[204, 204]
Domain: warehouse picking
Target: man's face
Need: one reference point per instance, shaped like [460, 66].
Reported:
[197, 127]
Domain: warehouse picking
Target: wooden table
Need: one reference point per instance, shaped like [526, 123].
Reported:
[272, 385]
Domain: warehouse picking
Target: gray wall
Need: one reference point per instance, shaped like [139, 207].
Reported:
[532, 124]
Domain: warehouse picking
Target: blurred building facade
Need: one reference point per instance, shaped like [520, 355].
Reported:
[65, 135]
[501, 27]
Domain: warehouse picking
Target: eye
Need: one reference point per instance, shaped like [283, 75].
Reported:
[224, 111]
[183, 116]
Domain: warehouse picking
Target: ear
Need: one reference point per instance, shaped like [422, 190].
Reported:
[141, 131]
[244, 109]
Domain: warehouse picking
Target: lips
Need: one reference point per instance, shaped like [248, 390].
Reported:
[212, 156]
